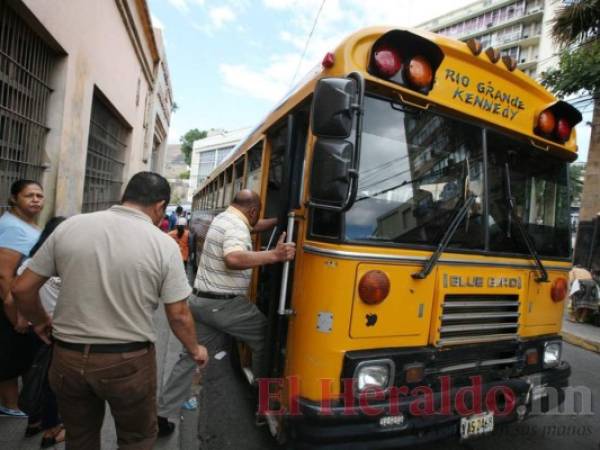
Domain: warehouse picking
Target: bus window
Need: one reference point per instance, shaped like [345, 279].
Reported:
[539, 186]
[228, 186]
[275, 176]
[221, 190]
[213, 199]
[416, 169]
[238, 184]
[254, 168]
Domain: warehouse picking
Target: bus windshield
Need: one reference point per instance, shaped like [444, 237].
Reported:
[417, 169]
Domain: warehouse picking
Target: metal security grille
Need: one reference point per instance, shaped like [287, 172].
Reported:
[104, 164]
[478, 318]
[25, 66]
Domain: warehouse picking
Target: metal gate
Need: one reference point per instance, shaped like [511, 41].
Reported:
[105, 159]
[26, 63]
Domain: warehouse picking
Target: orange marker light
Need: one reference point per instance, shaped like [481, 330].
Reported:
[374, 287]
[419, 72]
[546, 122]
[558, 292]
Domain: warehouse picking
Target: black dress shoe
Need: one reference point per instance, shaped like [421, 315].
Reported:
[165, 427]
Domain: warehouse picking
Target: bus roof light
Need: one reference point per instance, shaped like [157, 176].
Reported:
[546, 122]
[328, 60]
[387, 60]
[492, 54]
[374, 287]
[563, 129]
[475, 46]
[419, 73]
[509, 62]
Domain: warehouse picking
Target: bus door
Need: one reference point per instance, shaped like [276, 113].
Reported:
[283, 185]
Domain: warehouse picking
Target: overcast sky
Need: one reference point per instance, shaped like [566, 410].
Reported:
[231, 60]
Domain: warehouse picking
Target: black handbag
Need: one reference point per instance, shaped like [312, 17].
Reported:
[34, 393]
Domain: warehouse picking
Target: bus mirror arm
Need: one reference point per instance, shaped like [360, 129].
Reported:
[456, 221]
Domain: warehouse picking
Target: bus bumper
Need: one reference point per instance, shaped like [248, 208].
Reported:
[348, 427]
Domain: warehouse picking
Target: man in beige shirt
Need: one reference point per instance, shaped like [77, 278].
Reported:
[116, 267]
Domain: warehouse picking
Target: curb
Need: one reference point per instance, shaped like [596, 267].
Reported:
[587, 344]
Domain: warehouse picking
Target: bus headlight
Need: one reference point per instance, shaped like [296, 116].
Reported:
[552, 352]
[378, 374]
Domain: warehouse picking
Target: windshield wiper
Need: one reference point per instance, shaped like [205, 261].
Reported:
[543, 278]
[456, 221]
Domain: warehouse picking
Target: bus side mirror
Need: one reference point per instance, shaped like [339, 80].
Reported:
[336, 104]
[332, 107]
[330, 177]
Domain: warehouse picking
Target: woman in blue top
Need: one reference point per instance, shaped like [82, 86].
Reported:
[18, 234]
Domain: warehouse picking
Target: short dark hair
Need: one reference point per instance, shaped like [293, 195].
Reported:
[147, 188]
[179, 209]
[17, 187]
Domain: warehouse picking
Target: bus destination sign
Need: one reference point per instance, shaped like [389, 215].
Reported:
[484, 95]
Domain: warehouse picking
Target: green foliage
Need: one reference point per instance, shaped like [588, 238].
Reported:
[577, 20]
[578, 70]
[187, 141]
[184, 175]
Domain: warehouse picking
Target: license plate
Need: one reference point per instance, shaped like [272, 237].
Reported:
[476, 425]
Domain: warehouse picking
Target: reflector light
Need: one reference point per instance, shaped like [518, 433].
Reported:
[563, 129]
[374, 287]
[531, 357]
[328, 60]
[413, 373]
[387, 60]
[558, 292]
[419, 72]
[546, 122]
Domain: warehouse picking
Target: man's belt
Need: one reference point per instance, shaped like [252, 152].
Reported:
[104, 348]
[199, 293]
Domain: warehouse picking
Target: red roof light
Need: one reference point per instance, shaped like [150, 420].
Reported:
[563, 129]
[387, 60]
[328, 60]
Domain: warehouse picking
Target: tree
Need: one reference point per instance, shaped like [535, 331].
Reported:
[576, 29]
[187, 142]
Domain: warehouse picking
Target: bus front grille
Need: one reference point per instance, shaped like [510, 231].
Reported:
[470, 319]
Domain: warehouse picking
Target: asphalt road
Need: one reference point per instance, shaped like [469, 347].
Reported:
[230, 421]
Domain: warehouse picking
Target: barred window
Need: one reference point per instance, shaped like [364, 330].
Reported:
[105, 159]
[26, 63]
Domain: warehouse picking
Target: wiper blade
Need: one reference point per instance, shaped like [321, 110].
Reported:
[456, 221]
[543, 278]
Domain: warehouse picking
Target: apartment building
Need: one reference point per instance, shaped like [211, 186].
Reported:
[520, 29]
[85, 99]
[208, 153]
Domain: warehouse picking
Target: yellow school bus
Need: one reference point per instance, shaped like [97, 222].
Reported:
[425, 182]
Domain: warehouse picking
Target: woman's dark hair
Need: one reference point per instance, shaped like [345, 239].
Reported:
[47, 231]
[180, 230]
[17, 187]
[146, 189]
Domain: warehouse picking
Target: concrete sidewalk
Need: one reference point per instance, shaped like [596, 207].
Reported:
[583, 335]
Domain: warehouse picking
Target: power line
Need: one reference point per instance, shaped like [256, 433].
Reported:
[314, 25]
